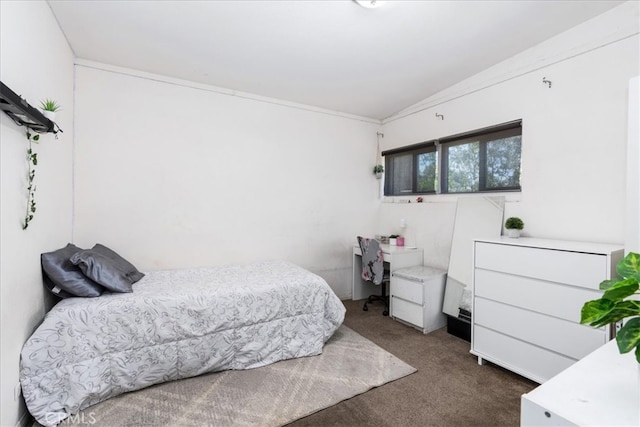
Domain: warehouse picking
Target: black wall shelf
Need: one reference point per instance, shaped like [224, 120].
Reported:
[24, 114]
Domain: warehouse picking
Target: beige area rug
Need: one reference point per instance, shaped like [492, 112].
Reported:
[273, 395]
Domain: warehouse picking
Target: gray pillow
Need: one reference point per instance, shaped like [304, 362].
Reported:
[102, 270]
[131, 272]
[63, 278]
[53, 288]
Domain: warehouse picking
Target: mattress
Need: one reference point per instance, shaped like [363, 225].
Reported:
[176, 324]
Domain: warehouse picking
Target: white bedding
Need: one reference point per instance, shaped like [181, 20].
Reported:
[175, 324]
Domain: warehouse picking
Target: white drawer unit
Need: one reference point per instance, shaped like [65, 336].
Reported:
[527, 297]
[416, 296]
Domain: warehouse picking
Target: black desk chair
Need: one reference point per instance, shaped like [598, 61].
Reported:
[373, 271]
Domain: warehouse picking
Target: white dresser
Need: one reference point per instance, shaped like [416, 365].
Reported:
[416, 296]
[527, 298]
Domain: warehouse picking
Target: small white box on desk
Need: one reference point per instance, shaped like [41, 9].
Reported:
[416, 297]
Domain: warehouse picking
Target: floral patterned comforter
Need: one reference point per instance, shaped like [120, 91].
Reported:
[176, 324]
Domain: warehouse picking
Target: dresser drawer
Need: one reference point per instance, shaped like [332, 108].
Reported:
[558, 335]
[407, 289]
[518, 356]
[407, 311]
[573, 268]
[550, 298]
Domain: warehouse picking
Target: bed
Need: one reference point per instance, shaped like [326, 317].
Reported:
[175, 324]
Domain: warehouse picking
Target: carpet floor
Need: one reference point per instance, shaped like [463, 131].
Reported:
[449, 389]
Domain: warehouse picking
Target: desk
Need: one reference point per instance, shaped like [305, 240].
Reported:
[397, 257]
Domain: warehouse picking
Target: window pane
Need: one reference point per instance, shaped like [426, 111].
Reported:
[463, 167]
[402, 174]
[503, 162]
[427, 172]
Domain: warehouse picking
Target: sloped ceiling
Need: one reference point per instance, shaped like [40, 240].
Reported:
[329, 54]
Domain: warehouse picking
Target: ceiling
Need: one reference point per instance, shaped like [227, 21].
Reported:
[335, 55]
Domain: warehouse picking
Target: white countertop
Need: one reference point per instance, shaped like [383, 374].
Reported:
[602, 389]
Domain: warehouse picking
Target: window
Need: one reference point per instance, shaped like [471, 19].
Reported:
[400, 170]
[482, 160]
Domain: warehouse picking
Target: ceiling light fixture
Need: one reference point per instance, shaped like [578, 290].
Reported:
[370, 4]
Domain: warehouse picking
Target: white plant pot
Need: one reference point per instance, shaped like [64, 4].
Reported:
[51, 115]
[513, 233]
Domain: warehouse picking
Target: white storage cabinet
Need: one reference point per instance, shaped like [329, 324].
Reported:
[416, 296]
[527, 297]
[602, 389]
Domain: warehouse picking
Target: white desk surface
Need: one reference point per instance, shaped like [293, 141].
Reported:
[602, 389]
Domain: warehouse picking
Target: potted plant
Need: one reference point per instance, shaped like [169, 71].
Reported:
[49, 108]
[619, 301]
[514, 225]
[377, 170]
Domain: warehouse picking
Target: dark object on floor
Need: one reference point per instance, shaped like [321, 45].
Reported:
[459, 327]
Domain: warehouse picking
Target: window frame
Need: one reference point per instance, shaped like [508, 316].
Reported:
[441, 147]
[389, 169]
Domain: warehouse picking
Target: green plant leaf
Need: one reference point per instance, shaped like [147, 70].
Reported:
[514, 223]
[622, 289]
[628, 336]
[49, 105]
[592, 311]
[619, 311]
[638, 353]
[629, 266]
[36, 138]
[606, 284]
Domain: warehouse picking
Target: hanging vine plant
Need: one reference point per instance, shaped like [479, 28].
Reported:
[32, 160]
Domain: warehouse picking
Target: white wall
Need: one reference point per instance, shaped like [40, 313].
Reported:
[36, 63]
[632, 238]
[173, 174]
[574, 134]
